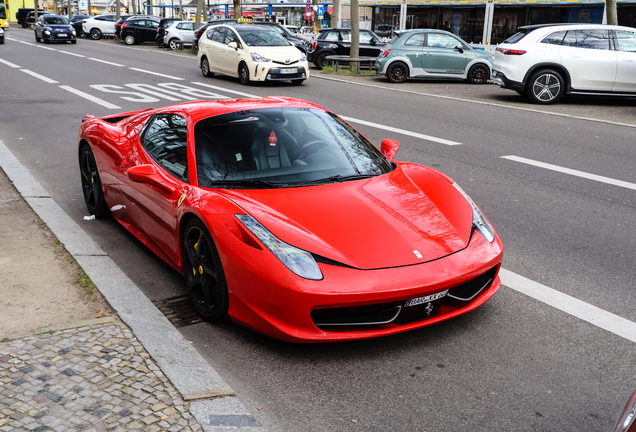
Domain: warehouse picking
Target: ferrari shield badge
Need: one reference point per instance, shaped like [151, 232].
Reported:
[417, 254]
[181, 199]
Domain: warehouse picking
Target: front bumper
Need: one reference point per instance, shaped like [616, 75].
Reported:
[500, 79]
[270, 71]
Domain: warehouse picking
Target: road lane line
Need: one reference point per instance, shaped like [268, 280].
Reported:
[46, 48]
[576, 173]
[226, 90]
[38, 76]
[401, 131]
[26, 43]
[15, 66]
[156, 73]
[90, 97]
[106, 62]
[570, 305]
[72, 53]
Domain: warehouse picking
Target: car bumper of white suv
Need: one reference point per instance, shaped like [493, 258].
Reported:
[502, 80]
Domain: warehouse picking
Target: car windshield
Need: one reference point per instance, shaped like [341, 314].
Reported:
[55, 20]
[282, 147]
[261, 37]
[3, 12]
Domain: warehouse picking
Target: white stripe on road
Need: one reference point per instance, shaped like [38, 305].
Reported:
[72, 53]
[38, 76]
[46, 48]
[26, 43]
[90, 97]
[156, 73]
[106, 62]
[402, 131]
[15, 66]
[570, 305]
[226, 90]
[576, 173]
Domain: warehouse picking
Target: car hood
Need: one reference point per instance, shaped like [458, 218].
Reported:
[278, 53]
[409, 216]
[59, 26]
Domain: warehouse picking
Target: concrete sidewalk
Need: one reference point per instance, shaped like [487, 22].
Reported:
[134, 371]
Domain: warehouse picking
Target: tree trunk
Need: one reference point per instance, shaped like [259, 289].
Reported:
[69, 10]
[610, 11]
[35, 8]
[238, 13]
[151, 7]
[355, 33]
[89, 8]
[197, 18]
[117, 11]
[335, 16]
[134, 7]
[314, 6]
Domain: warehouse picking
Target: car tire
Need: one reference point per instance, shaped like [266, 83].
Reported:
[397, 72]
[74, 41]
[203, 272]
[174, 44]
[320, 61]
[130, 39]
[545, 87]
[96, 34]
[91, 184]
[244, 74]
[478, 74]
[205, 67]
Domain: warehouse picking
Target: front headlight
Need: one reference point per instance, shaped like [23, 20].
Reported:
[296, 260]
[48, 32]
[480, 223]
[303, 57]
[259, 58]
[73, 31]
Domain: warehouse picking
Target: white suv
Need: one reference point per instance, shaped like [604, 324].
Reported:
[547, 61]
[99, 25]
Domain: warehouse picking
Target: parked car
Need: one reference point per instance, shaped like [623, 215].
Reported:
[1, 35]
[627, 420]
[54, 28]
[546, 62]
[429, 53]
[231, 194]
[251, 53]
[161, 30]
[99, 25]
[298, 42]
[334, 41]
[30, 18]
[76, 21]
[119, 22]
[22, 13]
[179, 32]
[136, 30]
[203, 28]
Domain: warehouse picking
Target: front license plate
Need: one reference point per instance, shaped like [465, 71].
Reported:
[62, 34]
[425, 299]
[288, 71]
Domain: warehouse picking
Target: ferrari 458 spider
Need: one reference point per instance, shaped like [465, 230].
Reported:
[284, 217]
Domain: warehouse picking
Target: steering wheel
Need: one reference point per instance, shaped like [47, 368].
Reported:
[310, 148]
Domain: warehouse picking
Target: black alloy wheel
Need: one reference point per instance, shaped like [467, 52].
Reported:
[203, 272]
[545, 86]
[244, 74]
[478, 74]
[320, 61]
[397, 72]
[205, 68]
[96, 34]
[91, 184]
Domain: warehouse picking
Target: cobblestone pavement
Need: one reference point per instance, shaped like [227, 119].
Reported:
[94, 378]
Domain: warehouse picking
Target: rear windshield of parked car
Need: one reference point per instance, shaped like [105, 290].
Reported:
[516, 37]
[264, 37]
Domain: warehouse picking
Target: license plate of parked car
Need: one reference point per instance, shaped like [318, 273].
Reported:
[289, 71]
[425, 299]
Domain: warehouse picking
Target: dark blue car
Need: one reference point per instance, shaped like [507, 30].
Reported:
[54, 28]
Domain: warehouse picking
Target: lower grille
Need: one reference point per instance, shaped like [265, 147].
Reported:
[469, 290]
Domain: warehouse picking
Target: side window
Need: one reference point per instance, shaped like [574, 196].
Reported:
[555, 38]
[570, 39]
[440, 40]
[333, 36]
[593, 39]
[365, 37]
[100, 18]
[189, 26]
[218, 35]
[166, 141]
[415, 40]
[152, 24]
[230, 36]
[345, 35]
[626, 41]
[138, 23]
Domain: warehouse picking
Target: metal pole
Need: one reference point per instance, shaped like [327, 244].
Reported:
[488, 19]
[403, 15]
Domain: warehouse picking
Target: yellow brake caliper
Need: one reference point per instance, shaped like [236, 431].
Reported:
[196, 247]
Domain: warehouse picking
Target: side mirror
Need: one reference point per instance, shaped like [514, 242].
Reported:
[233, 45]
[459, 48]
[373, 42]
[389, 148]
[147, 174]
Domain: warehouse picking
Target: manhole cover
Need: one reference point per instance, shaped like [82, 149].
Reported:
[179, 310]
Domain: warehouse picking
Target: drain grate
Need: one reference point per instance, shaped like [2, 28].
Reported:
[179, 310]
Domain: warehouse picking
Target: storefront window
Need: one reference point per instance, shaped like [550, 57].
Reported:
[505, 22]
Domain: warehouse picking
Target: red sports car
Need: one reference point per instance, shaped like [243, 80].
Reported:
[284, 217]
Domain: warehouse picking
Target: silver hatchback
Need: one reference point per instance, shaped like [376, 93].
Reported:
[179, 33]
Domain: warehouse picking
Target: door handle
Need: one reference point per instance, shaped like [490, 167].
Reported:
[574, 56]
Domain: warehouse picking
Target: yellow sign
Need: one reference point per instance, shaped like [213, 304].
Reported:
[245, 20]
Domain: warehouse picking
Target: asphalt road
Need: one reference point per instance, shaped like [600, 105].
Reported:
[513, 364]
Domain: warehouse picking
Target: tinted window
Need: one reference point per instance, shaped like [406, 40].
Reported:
[186, 26]
[570, 39]
[626, 41]
[230, 36]
[555, 38]
[593, 39]
[516, 37]
[365, 37]
[416, 40]
[166, 140]
[333, 36]
[218, 35]
[152, 24]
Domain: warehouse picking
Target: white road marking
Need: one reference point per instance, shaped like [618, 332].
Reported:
[72, 53]
[570, 305]
[90, 97]
[38, 76]
[226, 90]
[46, 48]
[401, 131]
[156, 73]
[26, 43]
[106, 62]
[572, 172]
[15, 66]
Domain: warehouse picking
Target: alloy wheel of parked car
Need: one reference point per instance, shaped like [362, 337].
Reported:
[96, 34]
[397, 72]
[130, 39]
[174, 44]
[203, 272]
[320, 61]
[205, 68]
[91, 184]
[545, 87]
[478, 74]
[244, 74]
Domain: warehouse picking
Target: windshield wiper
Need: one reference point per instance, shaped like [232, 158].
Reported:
[251, 183]
[336, 178]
